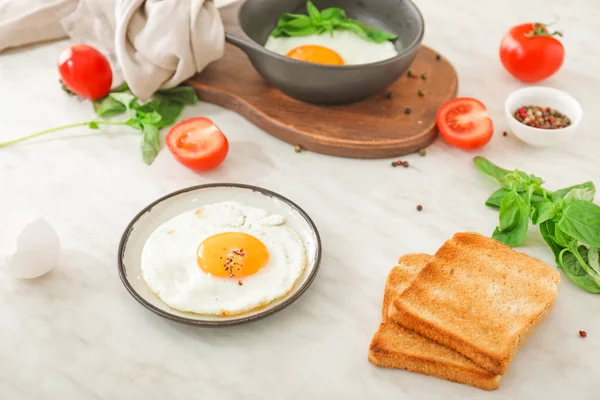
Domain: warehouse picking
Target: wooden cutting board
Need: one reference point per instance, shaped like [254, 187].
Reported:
[379, 127]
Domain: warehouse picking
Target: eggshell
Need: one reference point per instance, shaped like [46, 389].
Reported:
[29, 246]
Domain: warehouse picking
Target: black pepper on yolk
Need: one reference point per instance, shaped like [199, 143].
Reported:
[316, 54]
[232, 255]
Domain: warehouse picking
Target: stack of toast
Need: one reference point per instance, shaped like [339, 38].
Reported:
[462, 313]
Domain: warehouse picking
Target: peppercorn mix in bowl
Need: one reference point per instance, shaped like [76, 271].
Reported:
[542, 116]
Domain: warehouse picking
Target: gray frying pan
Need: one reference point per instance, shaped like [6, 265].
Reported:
[249, 23]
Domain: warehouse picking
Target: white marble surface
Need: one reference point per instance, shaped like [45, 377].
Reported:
[77, 334]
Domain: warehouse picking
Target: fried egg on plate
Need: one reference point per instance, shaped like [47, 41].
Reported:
[337, 48]
[222, 259]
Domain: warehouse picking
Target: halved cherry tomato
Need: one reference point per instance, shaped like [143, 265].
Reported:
[530, 53]
[197, 143]
[85, 71]
[464, 123]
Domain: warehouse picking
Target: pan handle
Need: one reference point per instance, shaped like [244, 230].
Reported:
[234, 33]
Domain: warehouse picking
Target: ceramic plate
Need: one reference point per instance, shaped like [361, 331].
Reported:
[151, 217]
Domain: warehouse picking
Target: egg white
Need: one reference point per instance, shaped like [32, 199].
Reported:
[170, 269]
[352, 48]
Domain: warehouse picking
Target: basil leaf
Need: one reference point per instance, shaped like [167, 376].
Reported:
[313, 12]
[309, 30]
[547, 230]
[302, 21]
[539, 196]
[561, 238]
[594, 261]
[124, 98]
[559, 194]
[514, 220]
[150, 143]
[287, 17]
[377, 35]
[495, 199]
[333, 13]
[510, 211]
[168, 110]
[183, 94]
[575, 271]
[493, 171]
[581, 220]
[352, 26]
[134, 123]
[327, 26]
[151, 118]
[108, 107]
[327, 20]
[543, 212]
[579, 194]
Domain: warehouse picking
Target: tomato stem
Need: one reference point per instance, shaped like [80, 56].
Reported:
[59, 128]
[540, 29]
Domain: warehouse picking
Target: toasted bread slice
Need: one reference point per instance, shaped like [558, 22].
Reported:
[478, 297]
[396, 347]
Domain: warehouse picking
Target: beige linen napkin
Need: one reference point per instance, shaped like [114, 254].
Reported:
[30, 21]
[152, 44]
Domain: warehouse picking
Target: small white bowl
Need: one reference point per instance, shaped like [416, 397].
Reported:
[544, 97]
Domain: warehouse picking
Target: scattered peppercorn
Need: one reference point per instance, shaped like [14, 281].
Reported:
[583, 333]
[421, 93]
[394, 164]
[240, 283]
[438, 57]
[419, 208]
[297, 148]
[389, 95]
[405, 164]
[422, 152]
[540, 117]
[410, 73]
[424, 76]
[407, 111]
[504, 133]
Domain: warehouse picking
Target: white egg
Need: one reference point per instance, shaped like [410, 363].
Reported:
[29, 246]
[352, 48]
[212, 284]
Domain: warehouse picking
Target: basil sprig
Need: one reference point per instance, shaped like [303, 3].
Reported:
[149, 118]
[326, 20]
[569, 221]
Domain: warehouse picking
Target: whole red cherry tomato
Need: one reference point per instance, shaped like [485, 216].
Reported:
[531, 53]
[85, 71]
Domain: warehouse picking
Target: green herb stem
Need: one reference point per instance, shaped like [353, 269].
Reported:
[59, 128]
[575, 251]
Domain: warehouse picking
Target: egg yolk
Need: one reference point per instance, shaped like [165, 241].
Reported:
[232, 255]
[316, 54]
